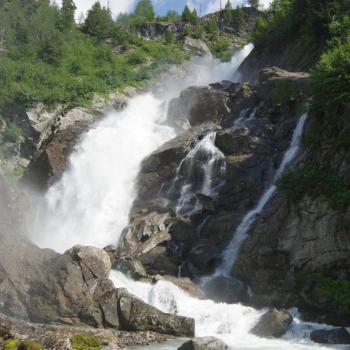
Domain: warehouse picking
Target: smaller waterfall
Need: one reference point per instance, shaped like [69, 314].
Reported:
[198, 173]
[241, 233]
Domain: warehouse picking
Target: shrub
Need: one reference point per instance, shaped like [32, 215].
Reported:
[314, 182]
[85, 342]
[12, 133]
[286, 93]
[13, 344]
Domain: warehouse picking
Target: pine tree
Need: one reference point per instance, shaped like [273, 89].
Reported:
[228, 5]
[194, 17]
[144, 8]
[67, 13]
[186, 14]
[98, 22]
[254, 3]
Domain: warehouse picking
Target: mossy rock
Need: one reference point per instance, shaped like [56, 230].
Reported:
[13, 344]
[85, 342]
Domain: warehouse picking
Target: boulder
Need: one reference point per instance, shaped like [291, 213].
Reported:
[199, 104]
[204, 254]
[135, 315]
[226, 289]
[273, 323]
[205, 343]
[331, 336]
[131, 267]
[198, 47]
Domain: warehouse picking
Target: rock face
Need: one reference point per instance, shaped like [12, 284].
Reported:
[273, 323]
[332, 336]
[206, 343]
[74, 288]
[198, 47]
[179, 224]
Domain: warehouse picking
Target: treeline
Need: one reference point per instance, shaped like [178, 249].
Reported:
[45, 56]
[315, 24]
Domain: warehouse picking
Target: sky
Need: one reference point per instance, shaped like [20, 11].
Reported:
[161, 6]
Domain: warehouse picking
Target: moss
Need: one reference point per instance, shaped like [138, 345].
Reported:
[336, 291]
[13, 344]
[314, 182]
[85, 342]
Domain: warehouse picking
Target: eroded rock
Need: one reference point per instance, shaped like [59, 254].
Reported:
[205, 343]
[331, 336]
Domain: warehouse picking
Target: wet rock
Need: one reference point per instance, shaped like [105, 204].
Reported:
[138, 316]
[198, 104]
[227, 290]
[206, 343]
[204, 254]
[273, 323]
[206, 202]
[198, 47]
[331, 336]
[131, 267]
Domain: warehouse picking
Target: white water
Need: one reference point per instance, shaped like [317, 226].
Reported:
[90, 204]
[230, 323]
[199, 172]
[241, 234]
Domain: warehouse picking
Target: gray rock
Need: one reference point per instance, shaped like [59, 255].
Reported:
[206, 343]
[204, 254]
[198, 47]
[331, 336]
[273, 323]
[227, 290]
[131, 267]
[138, 316]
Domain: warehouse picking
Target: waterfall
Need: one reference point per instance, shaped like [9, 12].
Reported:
[90, 204]
[198, 173]
[241, 234]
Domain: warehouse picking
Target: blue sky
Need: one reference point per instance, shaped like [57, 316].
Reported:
[161, 6]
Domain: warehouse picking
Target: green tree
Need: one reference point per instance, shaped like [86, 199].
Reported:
[98, 22]
[67, 13]
[194, 17]
[254, 3]
[144, 8]
[168, 36]
[228, 5]
[211, 26]
[172, 15]
[186, 14]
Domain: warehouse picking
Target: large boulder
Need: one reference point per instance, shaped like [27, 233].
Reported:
[331, 336]
[205, 343]
[135, 315]
[196, 46]
[273, 323]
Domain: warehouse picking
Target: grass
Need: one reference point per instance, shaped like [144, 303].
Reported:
[13, 344]
[85, 342]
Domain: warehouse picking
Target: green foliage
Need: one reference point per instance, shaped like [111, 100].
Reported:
[168, 36]
[254, 3]
[220, 48]
[314, 182]
[85, 342]
[67, 13]
[286, 93]
[144, 9]
[337, 291]
[13, 344]
[211, 26]
[12, 133]
[98, 22]
[189, 16]
[228, 5]
[331, 79]
[137, 57]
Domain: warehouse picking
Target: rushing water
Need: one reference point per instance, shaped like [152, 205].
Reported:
[241, 234]
[91, 203]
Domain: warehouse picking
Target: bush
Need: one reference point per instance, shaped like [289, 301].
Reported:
[12, 133]
[286, 93]
[85, 342]
[13, 344]
[314, 182]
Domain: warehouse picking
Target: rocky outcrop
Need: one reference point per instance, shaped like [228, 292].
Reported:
[196, 46]
[273, 323]
[331, 336]
[206, 343]
[74, 289]
[252, 132]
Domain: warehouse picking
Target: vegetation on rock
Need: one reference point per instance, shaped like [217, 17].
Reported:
[85, 342]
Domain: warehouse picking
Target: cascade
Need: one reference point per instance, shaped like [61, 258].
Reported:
[90, 204]
[241, 234]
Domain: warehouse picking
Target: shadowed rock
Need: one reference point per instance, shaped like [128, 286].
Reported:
[205, 343]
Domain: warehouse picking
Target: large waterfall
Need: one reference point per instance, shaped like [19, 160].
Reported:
[90, 205]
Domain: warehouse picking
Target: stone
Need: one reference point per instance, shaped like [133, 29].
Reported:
[135, 315]
[204, 254]
[274, 323]
[331, 336]
[205, 343]
[131, 267]
[198, 47]
[226, 289]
